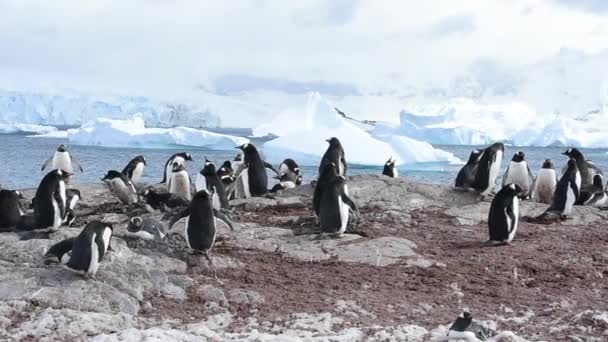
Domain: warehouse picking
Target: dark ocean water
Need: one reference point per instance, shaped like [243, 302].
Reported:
[22, 158]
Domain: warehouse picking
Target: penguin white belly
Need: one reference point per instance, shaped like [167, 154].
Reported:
[123, 192]
[73, 201]
[138, 173]
[62, 161]
[395, 173]
[544, 187]
[513, 225]
[493, 173]
[66, 258]
[288, 184]
[245, 183]
[141, 234]
[343, 207]
[283, 169]
[107, 235]
[57, 217]
[201, 183]
[180, 184]
[94, 262]
[570, 199]
[169, 167]
[518, 174]
[217, 205]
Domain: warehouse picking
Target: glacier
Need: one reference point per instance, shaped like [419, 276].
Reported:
[132, 132]
[25, 128]
[302, 133]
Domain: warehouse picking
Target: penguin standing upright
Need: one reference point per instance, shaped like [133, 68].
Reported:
[50, 206]
[488, 168]
[89, 248]
[207, 179]
[179, 181]
[503, 218]
[544, 185]
[334, 154]
[389, 168]
[135, 169]
[587, 169]
[332, 202]
[121, 186]
[251, 179]
[200, 229]
[180, 158]
[567, 191]
[593, 195]
[10, 209]
[466, 175]
[226, 173]
[145, 228]
[62, 160]
[291, 170]
[518, 172]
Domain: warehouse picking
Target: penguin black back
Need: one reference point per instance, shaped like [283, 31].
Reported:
[503, 218]
[256, 170]
[201, 224]
[169, 164]
[132, 166]
[328, 173]
[51, 190]
[90, 247]
[214, 184]
[389, 168]
[334, 154]
[59, 251]
[488, 168]
[10, 209]
[567, 191]
[466, 175]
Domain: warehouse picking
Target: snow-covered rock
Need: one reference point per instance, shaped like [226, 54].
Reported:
[303, 134]
[133, 132]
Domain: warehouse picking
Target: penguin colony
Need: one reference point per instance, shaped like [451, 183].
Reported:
[203, 202]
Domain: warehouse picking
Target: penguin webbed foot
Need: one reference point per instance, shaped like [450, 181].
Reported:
[493, 243]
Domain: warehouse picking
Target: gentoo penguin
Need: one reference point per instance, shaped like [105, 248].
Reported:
[518, 172]
[544, 185]
[237, 161]
[332, 203]
[593, 195]
[207, 179]
[62, 160]
[72, 198]
[389, 168]
[179, 181]
[145, 228]
[89, 248]
[504, 215]
[291, 170]
[59, 252]
[121, 186]
[285, 182]
[488, 168]
[587, 169]
[226, 172]
[334, 154]
[464, 328]
[50, 206]
[200, 223]
[180, 158]
[466, 175]
[135, 169]
[164, 200]
[251, 179]
[10, 209]
[567, 190]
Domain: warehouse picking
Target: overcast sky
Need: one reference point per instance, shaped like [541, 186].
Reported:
[169, 45]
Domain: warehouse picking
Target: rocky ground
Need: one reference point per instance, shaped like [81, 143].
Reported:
[403, 273]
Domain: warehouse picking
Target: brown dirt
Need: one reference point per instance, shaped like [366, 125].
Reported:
[555, 271]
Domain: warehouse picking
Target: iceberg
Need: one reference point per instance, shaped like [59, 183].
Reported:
[26, 128]
[303, 134]
[134, 133]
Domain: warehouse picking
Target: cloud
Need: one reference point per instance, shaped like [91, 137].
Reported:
[592, 6]
[458, 24]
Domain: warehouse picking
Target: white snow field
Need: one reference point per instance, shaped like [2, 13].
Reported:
[303, 133]
[133, 132]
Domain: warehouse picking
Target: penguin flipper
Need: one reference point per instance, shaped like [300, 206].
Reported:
[316, 199]
[505, 177]
[47, 163]
[343, 161]
[76, 163]
[223, 217]
[270, 167]
[352, 205]
[509, 211]
[182, 214]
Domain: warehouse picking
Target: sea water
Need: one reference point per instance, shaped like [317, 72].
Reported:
[22, 158]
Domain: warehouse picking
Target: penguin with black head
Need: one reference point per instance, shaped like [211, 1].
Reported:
[567, 191]
[121, 186]
[179, 181]
[334, 154]
[10, 209]
[179, 158]
[290, 171]
[518, 172]
[545, 183]
[593, 195]
[163, 200]
[135, 169]
[62, 159]
[332, 203]
[390, 170]
[466, 175]
[50, 206]
[488, 169]
[587, 168]
[73, 196]
[226, 173]
[465, 329]
[145, 228]
[201, 217]
[208, 179]
[251, 179]
[503, 218]
[89, 248]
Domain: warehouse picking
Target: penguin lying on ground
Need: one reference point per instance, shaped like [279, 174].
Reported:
[518, 172]
[164, 200]
[503, 218]
[89, 248]
[145, 228]
[389, 168]
[545, 183]
[59, 252]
